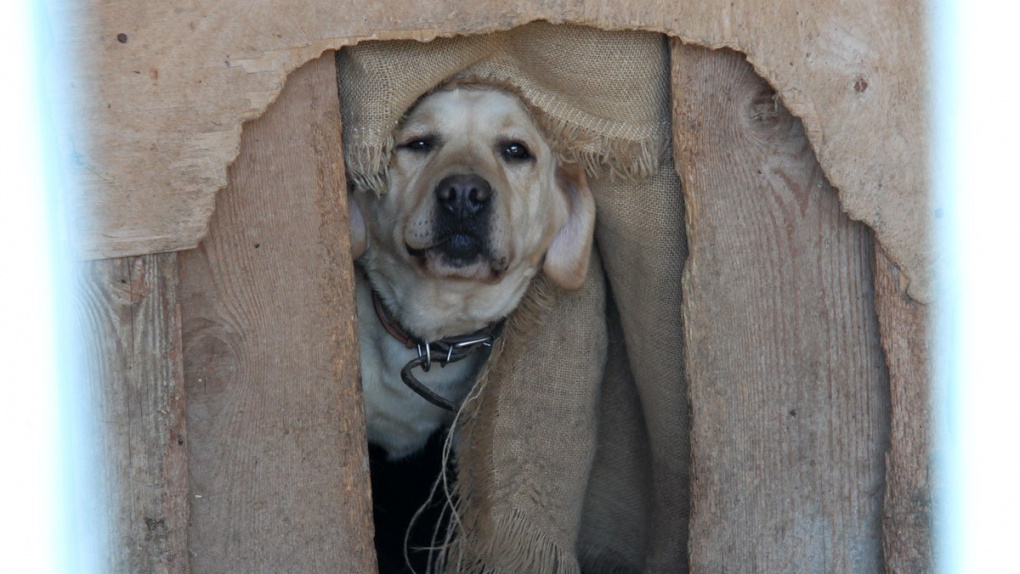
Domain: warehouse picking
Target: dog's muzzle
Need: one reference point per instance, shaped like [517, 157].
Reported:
[463, 211]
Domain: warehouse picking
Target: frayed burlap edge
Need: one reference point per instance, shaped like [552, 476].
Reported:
[620, 159]
[518, 546]
[601, 155]
[368, 165]
[481, 541]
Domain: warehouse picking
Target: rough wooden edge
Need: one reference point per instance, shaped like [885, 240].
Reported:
[857, 60]
[906, 340]
[799, 489]
[279, 459]
[129, 437]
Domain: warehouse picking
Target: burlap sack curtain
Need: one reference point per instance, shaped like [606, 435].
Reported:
[603, 95]
[574, 449]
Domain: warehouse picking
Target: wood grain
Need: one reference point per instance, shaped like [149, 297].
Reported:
[789, 390]
[279, 468]
[907, 524]
[128, 440]
[164, 107]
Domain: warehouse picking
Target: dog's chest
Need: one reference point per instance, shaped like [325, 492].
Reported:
[397, 418]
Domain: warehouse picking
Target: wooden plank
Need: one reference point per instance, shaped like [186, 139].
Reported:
[165, 87]
[128, 440]
[906, 339]
[279, 468]
[788, 385]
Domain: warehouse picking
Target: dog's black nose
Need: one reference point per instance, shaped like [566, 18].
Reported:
[463, 196]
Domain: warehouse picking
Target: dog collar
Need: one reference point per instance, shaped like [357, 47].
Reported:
[443, 351]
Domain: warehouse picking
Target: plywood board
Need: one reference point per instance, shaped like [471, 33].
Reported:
[278, 456]
[129, 442]
[158, 91]
[789, 392]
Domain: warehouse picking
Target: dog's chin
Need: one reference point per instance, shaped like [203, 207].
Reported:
[458, 257]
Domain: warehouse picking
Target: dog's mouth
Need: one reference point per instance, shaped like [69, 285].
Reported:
[460, 254]
[457, 249]
[461, 248]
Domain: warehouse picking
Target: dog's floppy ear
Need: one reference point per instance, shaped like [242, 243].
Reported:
[566, 261]
[356, 223]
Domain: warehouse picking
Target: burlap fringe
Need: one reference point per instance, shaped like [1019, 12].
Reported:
[519, 546]
[620, 159]
[478, 539]
[367, 164]
[600, 155]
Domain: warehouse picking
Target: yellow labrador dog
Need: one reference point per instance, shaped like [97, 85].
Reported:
[476, 205]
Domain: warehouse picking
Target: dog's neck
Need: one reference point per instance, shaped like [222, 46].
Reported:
[392, 326]
[398, 332]
[443, 351]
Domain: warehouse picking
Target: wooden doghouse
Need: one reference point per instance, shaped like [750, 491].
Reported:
[215, 311]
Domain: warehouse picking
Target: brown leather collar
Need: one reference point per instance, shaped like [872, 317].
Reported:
[390, 324]
[444, 351]
[398, 332]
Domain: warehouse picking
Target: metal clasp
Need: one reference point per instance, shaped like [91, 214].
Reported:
[427, 355]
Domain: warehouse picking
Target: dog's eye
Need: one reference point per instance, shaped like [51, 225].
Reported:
[515, 151]
[419, 144]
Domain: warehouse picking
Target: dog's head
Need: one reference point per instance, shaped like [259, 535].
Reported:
[476, 204]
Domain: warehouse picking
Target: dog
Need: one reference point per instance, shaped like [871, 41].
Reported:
[476, 205]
